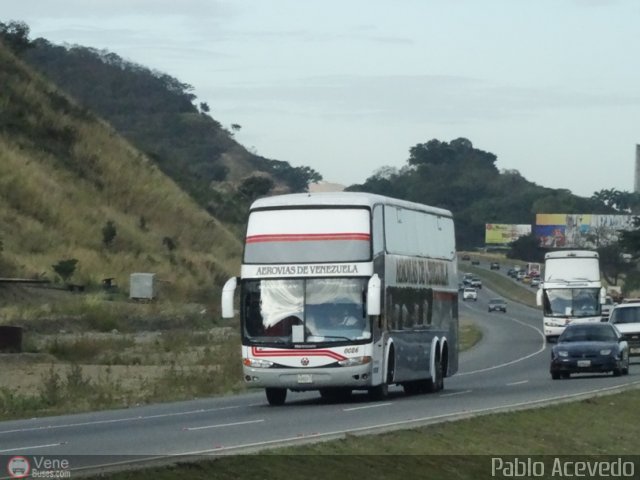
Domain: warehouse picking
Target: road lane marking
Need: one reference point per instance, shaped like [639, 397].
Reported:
[366, 406]
[221, 425]
[21, 449]
[128, 419]
[455, 393]
[517, 360]
[517, 383]
[401, 423]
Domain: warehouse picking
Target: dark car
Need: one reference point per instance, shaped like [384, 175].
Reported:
[466, 257]
[497, 305]
[495, 266]
[475, 262]
[588, 348]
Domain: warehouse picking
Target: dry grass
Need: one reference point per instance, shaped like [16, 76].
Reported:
[64, 174]
[88, 371]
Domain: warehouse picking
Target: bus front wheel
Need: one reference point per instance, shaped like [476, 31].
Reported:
[276, 396]
[380, 392]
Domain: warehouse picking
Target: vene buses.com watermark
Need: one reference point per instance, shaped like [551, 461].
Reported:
[38, 467]
[564, 467]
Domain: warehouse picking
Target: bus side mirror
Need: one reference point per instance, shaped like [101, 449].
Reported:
[539, 297]
[373, 295]
[228, 292]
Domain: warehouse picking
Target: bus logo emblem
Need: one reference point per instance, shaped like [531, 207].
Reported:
[304, 361]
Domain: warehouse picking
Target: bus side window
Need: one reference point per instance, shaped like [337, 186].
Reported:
[395, 321]
[429, 302]
[425, 312]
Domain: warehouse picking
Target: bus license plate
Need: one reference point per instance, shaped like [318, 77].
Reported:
[584, 363]
[304, 378]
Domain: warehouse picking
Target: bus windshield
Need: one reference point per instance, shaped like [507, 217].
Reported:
[321, 309]
[574, 302]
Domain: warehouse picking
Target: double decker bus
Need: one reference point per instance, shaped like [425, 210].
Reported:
[346, 291]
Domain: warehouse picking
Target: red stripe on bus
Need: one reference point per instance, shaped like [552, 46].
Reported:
[306, 237]
[260, 352]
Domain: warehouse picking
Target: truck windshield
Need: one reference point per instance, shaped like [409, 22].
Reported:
[571, 302]
[305, 310]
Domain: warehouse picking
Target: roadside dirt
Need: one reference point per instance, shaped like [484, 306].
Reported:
[25, 373]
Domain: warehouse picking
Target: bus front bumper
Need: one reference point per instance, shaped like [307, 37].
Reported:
[355, 377]
[553, 328]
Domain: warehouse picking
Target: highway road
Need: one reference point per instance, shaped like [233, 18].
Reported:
[507, 370]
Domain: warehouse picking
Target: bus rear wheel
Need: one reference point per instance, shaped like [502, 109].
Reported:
[414, 387]
[276, 396]
[436, 384]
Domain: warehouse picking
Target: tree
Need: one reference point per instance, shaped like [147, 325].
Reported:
[204, 107]
[109, 233]
[630, 240]
[621, 202]
[612, 263]
[527, 248]
[170, 243]
[255, 186]
[65, 268]
[236, 127]
[15, 35]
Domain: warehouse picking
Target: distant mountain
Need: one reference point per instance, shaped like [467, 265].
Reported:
[158, 115]
[72, 188]
[456, 176]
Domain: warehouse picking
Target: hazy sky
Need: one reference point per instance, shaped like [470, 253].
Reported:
[552, 87]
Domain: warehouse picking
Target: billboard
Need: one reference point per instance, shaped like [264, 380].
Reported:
[504, 234]
[562, 230]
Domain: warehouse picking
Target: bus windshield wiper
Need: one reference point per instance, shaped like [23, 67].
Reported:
[334, 337]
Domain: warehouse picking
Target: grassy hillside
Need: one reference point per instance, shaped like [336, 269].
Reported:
[64, 174]
[158, 114]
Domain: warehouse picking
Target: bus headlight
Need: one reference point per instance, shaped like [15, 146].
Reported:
[354, 361]
[256, 363]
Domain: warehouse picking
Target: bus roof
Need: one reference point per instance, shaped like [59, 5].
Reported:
[359, 199]
[572, 254]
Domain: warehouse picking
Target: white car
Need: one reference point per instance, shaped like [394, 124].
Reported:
[470, 294]
[626, 318]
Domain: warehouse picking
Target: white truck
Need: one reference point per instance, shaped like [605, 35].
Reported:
[533, 269]
[571, 290]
